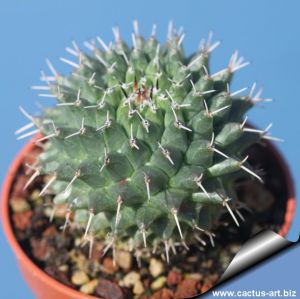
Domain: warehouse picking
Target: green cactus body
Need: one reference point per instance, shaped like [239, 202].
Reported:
[143, 143]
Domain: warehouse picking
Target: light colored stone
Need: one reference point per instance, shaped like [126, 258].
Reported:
[130, 279]
[35, 195]
[19, 205]
[138, 288]
[133, 279]
[78, 258]
[124, 259]
[63, 268]
[78, 242]
[48, 212]
[196, 276]
[156, 267]
[89, 287]
[79, 278]
[158, 283]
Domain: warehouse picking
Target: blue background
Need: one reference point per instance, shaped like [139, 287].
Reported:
[266, 32]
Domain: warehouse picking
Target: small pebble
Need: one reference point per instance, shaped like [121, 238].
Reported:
[80, 261]
[40, 249]
[36, 199]
[174, 278]
[187, 288]
[196, 276]
[158, 283]
[63, 268]
[78, 258]
[89, 287]
[97, 252]
[35, 195]
[58, 275]
[22, 220]
[77, 242]
[163, 294]
[124, 259]
[107, 289]
[48, 212]
[19, 205]
[156, 267]
[138, 288]
[79, 278]
[130, 279]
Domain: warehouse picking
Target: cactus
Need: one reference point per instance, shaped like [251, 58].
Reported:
[144, 145]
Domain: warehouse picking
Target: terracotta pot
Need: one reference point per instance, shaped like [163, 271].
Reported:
[44, 286]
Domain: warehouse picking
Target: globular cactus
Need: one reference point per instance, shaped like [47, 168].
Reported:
[144, 145]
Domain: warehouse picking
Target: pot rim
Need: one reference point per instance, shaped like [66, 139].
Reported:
[291, 200]
[47, 279]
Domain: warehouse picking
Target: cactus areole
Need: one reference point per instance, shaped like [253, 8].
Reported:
[144, 144]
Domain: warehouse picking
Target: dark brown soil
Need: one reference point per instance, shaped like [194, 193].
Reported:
[62, 256]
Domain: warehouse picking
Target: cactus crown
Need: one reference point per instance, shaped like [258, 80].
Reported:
[144, 144]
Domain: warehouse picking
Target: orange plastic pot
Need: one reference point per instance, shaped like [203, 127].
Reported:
[44, 286]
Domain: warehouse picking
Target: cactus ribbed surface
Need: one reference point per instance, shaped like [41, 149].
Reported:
[144, 145]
